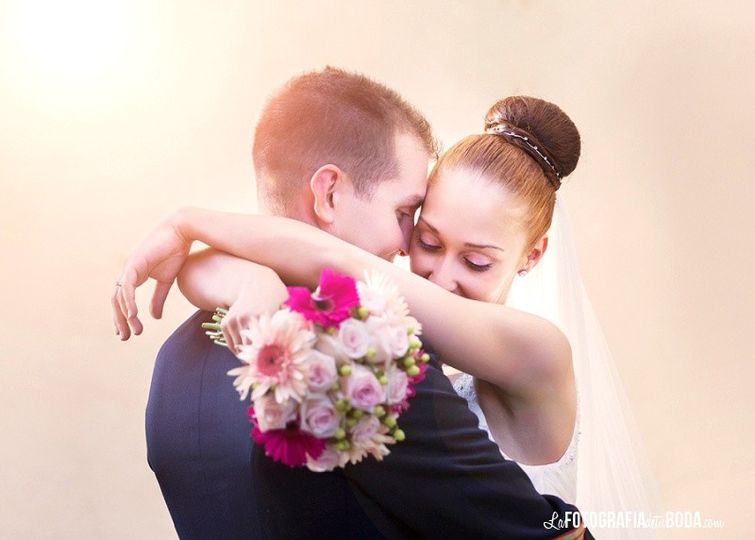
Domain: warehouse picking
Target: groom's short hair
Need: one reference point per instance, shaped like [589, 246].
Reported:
[331, 117]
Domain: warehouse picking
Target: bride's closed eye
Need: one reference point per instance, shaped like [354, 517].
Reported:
[475, 267]
[427, 244]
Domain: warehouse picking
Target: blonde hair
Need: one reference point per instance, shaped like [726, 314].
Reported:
[331, 116]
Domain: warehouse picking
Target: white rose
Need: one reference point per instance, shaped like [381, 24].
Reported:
[320, 371]
[354, 338]
[397, 339]
[398, 383]
[380, 340]
[273, 415]
[331, 346]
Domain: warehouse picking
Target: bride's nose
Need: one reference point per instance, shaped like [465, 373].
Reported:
[443, 275]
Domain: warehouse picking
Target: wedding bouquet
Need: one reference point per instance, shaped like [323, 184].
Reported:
[330, 372]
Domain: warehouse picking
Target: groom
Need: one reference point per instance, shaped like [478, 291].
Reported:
[348, 155]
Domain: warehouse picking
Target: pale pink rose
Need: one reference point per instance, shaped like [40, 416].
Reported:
[330, 345]
[320, 371]
[319, 417]
[364, 431]
[354, 338]
[379, 340]
[388, 338]
[363, 389]
[328, 460]
[397, 340]
[273, 415]
[398, 383]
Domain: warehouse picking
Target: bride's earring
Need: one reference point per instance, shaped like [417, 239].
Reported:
[521, 273]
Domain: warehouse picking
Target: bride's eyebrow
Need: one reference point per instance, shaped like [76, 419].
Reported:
[423, 220]
[483, 246]
[466, 244]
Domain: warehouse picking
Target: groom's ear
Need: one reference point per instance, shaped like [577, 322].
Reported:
[324, 183]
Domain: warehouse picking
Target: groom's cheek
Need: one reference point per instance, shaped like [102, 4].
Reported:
[407, 229]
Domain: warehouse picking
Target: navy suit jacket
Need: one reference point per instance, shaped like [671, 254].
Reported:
[446, 480]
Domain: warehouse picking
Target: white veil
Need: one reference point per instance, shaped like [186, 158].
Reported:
[612, 474]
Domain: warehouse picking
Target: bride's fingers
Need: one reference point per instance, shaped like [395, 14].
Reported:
[158, 298]
[128, 291]
[128, 304]
[237, 339]
[227, 334]
[118, 315]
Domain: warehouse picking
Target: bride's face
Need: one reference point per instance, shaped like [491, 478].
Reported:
[469, 238]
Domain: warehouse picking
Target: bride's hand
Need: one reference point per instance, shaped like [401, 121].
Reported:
[159, 256]
[253, 300]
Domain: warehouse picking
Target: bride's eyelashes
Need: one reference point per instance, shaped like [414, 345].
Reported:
[477, 267]
[427, 246]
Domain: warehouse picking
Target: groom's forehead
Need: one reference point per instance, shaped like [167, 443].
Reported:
[412, 200]
[400, 193]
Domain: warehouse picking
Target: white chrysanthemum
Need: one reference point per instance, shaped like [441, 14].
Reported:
[380, 295]
[274, 355]
[413, 326]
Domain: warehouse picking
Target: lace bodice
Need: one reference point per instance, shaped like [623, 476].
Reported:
[558, 478]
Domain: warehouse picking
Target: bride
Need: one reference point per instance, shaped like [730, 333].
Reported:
[484, 226]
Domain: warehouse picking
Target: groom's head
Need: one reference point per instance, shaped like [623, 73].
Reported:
[347, 154]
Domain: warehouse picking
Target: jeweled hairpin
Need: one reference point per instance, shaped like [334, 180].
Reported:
[505, 131]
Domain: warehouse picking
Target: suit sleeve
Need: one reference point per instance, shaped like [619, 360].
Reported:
[447, 479]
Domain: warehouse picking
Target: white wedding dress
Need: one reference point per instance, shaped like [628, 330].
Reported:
[604, 469]
[558, 478]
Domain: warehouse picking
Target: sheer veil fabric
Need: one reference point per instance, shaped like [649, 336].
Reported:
[613, 474]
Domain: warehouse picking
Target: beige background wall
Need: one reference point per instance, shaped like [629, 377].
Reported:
[115, 113]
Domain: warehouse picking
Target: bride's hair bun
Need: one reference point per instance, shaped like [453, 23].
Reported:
[547, 126]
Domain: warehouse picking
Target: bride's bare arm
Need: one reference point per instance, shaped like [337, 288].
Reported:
[514, 350]
[211, 278]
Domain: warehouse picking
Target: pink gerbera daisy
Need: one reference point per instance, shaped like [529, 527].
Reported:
[274, 355]
[290, 445]
[330, 304]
